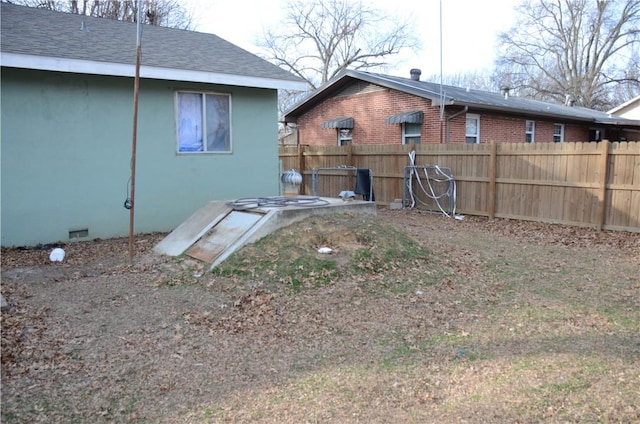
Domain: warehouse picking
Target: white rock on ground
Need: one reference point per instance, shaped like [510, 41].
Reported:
[4, 305]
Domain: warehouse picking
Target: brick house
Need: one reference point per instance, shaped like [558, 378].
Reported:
[368, 108]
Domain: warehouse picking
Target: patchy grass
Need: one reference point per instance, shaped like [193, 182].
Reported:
[359, 245]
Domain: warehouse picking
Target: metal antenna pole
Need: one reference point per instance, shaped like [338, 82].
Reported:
[441, 93]
[136, 90]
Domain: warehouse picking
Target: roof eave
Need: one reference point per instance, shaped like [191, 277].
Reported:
[540, 113]
[624, 105]
[436, 99]
[78, 66]
[299, 108]
[340, 80]
[622, 122]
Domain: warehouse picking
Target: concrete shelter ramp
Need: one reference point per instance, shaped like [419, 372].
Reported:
[192, 229]
[218, 229]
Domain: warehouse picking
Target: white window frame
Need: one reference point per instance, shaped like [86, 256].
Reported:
[468, 135]
[530, 131]
[408, 135]
[346, 138]
[558, 137]
[186, 128]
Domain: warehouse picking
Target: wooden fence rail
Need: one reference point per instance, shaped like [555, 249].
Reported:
[585, 184]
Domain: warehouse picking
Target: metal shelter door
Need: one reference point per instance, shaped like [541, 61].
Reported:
[223, 235]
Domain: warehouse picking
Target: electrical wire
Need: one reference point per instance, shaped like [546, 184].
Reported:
[128, 203]
[276, 202]
[439, 177]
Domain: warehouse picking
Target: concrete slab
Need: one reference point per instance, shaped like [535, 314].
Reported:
[192, 229]
[283, 217]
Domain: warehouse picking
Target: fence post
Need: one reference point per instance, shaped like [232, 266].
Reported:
[349, 154]
[602, 191]
[492, 179]
[301, 169]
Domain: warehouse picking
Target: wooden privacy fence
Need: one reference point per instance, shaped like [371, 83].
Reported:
[584, 184]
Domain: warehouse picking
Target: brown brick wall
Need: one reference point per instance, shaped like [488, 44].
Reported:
[512, 129]
[370, 109]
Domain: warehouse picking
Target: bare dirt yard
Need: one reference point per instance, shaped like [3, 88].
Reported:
[411, 318]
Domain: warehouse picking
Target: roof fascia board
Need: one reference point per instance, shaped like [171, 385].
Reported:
[479, 108]
[450, 101]
[304, 104]
[522, 112]
[624, 105]
[435, 99]
[619, 122]
[45, 63]
[349, 73]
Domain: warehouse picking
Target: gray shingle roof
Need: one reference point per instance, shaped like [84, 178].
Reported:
[38, 32]
[476, 100]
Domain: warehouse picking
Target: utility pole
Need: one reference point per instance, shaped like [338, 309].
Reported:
[136, 90]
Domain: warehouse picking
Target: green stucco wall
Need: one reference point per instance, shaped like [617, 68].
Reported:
[66, 150]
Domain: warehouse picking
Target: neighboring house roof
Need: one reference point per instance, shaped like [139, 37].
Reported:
[451, 96]
[33, 38]
[629, 109]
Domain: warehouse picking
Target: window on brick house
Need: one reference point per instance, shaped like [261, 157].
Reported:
[411, 125]
[345, 136]
[558, 133]
[411, 132]
[530, 131]
[473, 128]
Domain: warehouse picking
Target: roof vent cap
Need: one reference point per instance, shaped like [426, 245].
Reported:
[415, 74]
[569, 101]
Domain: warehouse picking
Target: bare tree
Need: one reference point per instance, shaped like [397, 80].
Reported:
[317, 39]
[168, 13]
[580, 50]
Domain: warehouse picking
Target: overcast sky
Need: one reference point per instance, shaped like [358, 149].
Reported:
[469, 28]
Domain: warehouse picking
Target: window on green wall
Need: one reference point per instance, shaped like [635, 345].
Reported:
[203, 122]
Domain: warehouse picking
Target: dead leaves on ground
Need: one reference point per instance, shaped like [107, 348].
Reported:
[257, 311]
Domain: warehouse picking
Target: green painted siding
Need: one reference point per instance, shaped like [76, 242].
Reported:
[66, 150]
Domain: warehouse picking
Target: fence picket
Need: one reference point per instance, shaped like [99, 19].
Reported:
[587, 184]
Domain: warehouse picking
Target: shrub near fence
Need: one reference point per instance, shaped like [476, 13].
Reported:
[584, 184]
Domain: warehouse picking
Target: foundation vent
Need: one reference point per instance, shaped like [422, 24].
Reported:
[74, 234]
